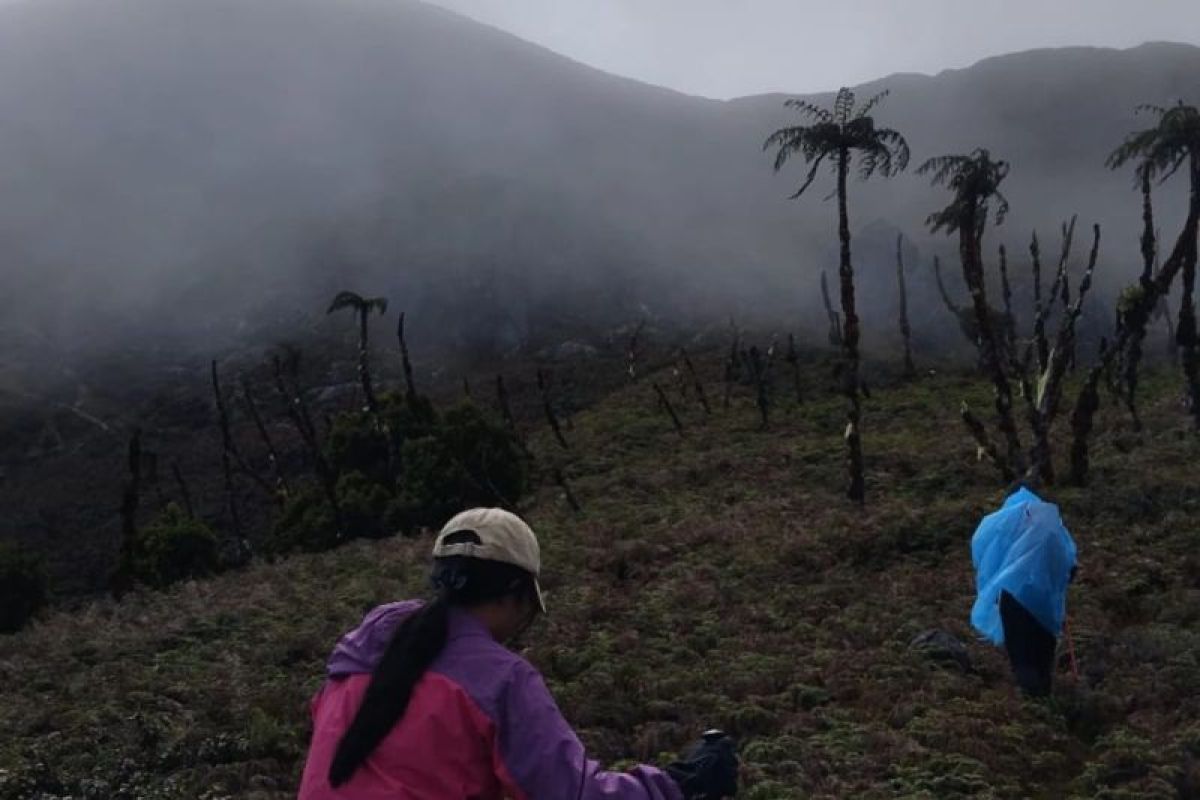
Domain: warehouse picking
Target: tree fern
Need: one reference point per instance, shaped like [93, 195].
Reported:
[833, 136]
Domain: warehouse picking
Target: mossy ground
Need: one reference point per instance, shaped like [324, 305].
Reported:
[717, 578]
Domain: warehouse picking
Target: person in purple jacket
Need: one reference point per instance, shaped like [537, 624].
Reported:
[423, 702]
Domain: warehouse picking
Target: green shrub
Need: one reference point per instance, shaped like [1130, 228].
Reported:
[430, 476]
[364, 505]
[408, 469]
[465, 461]
[174, 547]
[359, 441]
[22, 586]
[355, 444]
[307, 523]
[1129, 298]
[1125, 764]
[771, 790]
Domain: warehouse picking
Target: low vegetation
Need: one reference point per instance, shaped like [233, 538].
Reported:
[704, 568]
[717, 577]
[404, 467]
[174, 547]
[22, 586]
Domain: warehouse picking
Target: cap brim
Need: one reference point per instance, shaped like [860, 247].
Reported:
[541, 597]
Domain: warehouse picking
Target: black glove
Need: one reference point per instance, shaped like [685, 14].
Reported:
[710, 770]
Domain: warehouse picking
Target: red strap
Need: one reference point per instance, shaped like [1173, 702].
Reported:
[1071, 647]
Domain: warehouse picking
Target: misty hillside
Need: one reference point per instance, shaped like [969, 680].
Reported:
[209, 169]
[717, 578]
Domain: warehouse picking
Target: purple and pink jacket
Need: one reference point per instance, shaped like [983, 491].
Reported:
[481, 725]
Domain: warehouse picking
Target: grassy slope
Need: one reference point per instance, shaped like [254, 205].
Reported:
[714, 579]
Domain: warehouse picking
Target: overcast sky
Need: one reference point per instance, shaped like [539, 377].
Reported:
[727, 48]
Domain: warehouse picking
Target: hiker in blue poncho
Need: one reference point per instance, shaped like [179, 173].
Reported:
[1024, 560]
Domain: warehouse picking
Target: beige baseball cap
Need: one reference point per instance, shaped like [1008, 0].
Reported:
[503, 537]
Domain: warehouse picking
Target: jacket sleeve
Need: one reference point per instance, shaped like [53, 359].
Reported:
[539, 757]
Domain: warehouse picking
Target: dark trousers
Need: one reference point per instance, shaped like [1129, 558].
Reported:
[1030, 647]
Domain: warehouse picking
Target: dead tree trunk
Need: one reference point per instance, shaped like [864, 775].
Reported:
[1172, 344]
[731, 367]
[697, 384]
[561, 480]
[1010, 319]
[1066, 302]
[963, 317]
[1129, 376]
[1040, 345]
[633, 350]
[945, 295]
[567, 405]
[1061, 287]
[746, 367]
[835, 319]
[297, 411]
[510, 420]
[1132, 355]
[1111, 378]
[364, 363]
[185, 494]
[229, 445]
[132, 494]
[1050, 384]
[759, 369]
[1086, 406]
[281, 484]
[122, 579]
[1164, 308]
[969, 234]
[1035, 252]
[410, 385]
[1186, 325]
[905, 330]
[682, 384]
[150, 475]
[1141, 305]
[793, 358]
[506, 409]
[1185, 335]
[1058, 291]
[666, 404]
[984, 445]
[548, 407]
[227, 449]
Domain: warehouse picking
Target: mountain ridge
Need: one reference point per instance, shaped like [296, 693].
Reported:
[200, 169]
[1163, 47]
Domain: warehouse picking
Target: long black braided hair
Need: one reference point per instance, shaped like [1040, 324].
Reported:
[459, 582]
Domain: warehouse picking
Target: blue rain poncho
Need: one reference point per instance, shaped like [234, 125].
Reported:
[1023, 549]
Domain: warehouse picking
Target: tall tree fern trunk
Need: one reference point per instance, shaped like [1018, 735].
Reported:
[1086, 406]
[1133, 354]
[1041, 346]
[835, 320]
[1186, 328]
[1010, 318]
[364, 366]
[910, 369]
[1149, 240]
[1138, 313]
[857, 488]
[1133, 358]
[969, 235]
